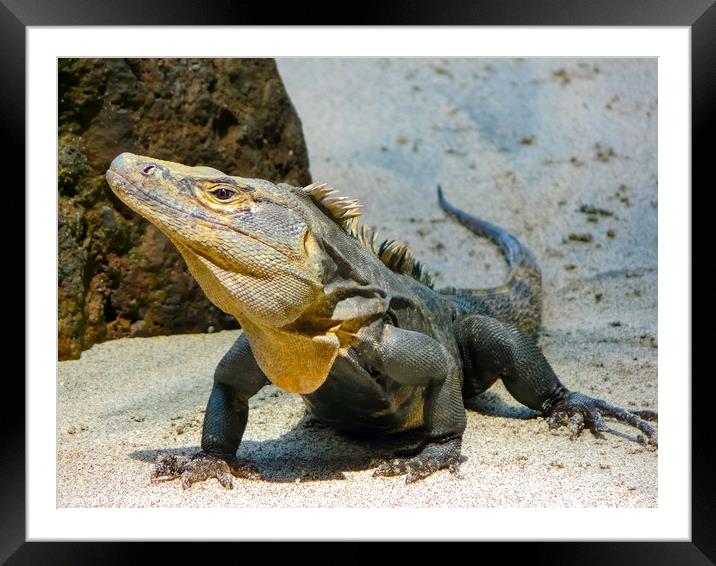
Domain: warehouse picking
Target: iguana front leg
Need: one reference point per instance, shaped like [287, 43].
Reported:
[412, 358]
[493, 349]
[236, 379]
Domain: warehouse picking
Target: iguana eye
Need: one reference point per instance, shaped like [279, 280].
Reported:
[222, 193]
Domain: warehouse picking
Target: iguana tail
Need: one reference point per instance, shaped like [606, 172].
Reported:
[518, 300]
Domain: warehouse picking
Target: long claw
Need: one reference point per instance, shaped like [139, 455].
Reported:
[557, 419]
[576, 425]
[626, 416]
[394, 467]
[579, 411]
[599, 425]
[167, 467]
[647, 415]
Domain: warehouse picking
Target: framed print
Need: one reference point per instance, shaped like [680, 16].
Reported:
[568, 127]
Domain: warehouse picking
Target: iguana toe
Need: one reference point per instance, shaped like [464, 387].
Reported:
[201, 467]
[579, 411]
[435, 456]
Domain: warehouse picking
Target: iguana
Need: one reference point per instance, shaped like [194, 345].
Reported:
[350, 323]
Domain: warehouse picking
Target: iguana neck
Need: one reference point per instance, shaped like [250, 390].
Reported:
[297, 351]
[298, 356]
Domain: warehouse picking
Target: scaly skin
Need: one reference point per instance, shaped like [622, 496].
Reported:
[351, 325]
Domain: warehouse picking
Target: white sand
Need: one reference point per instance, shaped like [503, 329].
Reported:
[522, 143]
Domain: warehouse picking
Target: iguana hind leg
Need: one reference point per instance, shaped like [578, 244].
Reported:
[496, 349]
[236, 379]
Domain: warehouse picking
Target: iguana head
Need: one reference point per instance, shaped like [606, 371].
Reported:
[254, 248]
[246, 241]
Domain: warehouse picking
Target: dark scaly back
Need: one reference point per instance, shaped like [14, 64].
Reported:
[518, 300]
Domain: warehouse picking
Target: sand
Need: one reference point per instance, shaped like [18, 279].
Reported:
[527, 144]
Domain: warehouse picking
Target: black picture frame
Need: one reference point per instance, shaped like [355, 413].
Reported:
[16, 15]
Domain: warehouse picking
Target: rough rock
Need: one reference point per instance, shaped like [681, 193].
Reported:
[119, 276]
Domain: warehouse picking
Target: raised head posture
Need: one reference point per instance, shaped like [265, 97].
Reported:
[350, 323]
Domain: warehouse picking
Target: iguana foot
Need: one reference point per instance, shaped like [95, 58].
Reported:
[578, 411]
[203, 466]
[435, 456]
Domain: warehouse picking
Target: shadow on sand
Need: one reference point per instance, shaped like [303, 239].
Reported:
[312, 451]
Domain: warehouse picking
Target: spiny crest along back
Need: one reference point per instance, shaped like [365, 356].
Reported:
[345, 211]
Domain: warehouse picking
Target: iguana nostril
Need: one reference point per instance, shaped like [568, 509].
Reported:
[148, 170]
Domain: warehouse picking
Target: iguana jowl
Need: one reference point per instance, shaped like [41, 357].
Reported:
[351, 324]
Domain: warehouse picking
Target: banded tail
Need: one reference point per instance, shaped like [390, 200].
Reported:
[518, 300]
